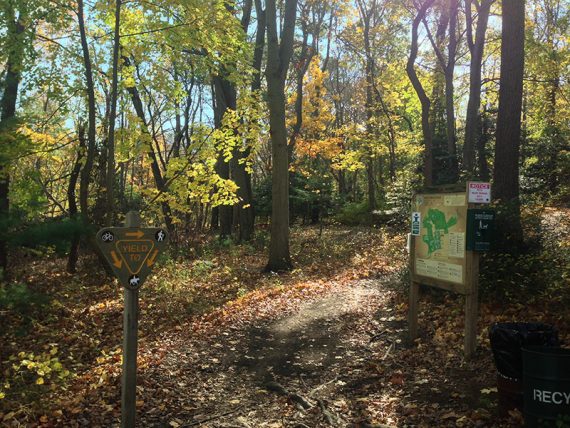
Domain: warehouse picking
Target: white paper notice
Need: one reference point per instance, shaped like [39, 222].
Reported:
[456, 244]
[454, 200]
[479, 193]
[440, 270]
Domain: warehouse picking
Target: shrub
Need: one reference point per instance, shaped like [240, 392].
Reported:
[354, 214]
[29, 373]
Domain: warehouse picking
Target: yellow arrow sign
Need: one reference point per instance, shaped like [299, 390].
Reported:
[137, 234]
[150, 261]
[134, 253]
[117, 262]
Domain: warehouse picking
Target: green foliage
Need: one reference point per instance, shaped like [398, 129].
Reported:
[542, 269]
[354, 214]
[21, 299]
[49, 235]
[399, 195]
[202, 267]
[29, 374]
[262, 197]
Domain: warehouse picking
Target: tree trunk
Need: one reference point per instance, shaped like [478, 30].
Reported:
[225, 98]
[71, 200]
[369, 106]
[91, 126]
[304, 62]
[472, 118]
[507, 147]
[7, 122]
[482, 141]
[110, 182]
[424, 100]
[450, 93]
[278, 58]
[159, 180]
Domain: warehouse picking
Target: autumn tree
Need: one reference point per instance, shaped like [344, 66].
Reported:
[20, 21]
[422, 95]
[279, 52]
[476, 44]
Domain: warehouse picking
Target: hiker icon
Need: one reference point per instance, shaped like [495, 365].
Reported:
[160, 235]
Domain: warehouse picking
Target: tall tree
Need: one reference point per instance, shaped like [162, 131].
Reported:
[225, 97]
[443, 93]
[507, 147]
[421, 93]
[91, 114]
[13, 76]
[279, 54]
[110, 179]
[473, 118]
[366, 13]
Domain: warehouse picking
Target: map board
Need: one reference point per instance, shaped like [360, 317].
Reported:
[439, 249]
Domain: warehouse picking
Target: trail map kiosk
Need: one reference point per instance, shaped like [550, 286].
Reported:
[440, 257]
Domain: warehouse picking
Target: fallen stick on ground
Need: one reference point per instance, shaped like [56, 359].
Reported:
[212, 418]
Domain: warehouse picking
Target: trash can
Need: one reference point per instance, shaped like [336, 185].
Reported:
[507, 341]
[546, 382]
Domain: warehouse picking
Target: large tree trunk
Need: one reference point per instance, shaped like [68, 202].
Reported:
[482, 141]
[15, 32]
[91, 126]
[472, 118]
[278, 58]
[365, 16]
[507, 147]
[450, 93]
[303, 66]
[72, 202]
[245, 216]
[110, 179]
[225, 98]
[424, 100]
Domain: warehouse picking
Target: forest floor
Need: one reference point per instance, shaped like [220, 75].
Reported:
[223, 344]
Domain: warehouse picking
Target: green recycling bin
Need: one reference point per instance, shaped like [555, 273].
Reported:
[546, 383]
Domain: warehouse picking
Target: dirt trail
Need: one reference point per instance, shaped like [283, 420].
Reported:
[224, 383]
[339, 359]
[312, 340]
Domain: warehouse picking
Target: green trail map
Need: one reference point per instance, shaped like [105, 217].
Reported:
[436, 227]
[439, 251]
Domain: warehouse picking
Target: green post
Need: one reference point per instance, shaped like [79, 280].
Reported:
[130, 329]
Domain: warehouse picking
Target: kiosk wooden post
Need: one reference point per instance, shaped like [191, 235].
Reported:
[471, 304]
[414, 295]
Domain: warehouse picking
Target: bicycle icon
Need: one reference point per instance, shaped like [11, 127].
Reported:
[107, 237]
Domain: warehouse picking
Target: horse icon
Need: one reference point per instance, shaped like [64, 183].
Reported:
[134, 281]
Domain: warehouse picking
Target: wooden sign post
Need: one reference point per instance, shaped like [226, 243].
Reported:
[439, 256]
[131, 252]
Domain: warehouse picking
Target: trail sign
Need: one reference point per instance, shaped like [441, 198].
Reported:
[131, 251]
[416, 222]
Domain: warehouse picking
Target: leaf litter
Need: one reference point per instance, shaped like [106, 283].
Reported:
[225, 345]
